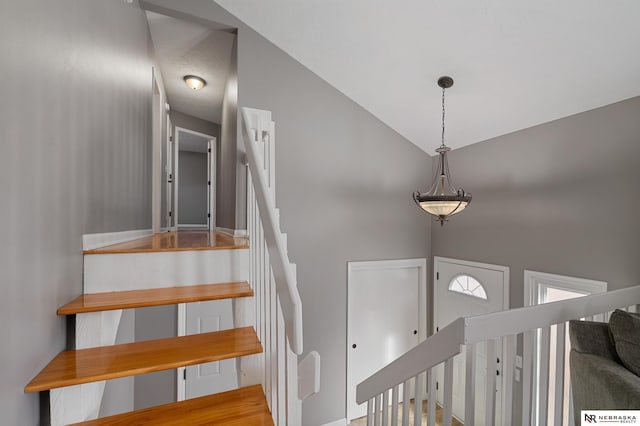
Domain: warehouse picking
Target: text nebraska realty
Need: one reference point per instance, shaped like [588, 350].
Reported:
[610, 418]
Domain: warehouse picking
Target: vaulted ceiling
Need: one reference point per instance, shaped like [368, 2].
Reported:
[516, 64]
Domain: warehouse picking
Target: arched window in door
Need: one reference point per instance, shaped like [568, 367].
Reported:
[468, 285]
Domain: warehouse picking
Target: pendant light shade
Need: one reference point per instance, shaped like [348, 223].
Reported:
[443, 199]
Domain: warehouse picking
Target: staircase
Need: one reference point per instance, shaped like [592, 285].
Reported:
[170, 269]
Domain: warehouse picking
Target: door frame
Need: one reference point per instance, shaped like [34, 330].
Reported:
[211, 222]
[168, 176]
[157, 115]
[505, 306]
[181, 371]
[421, 264]
[533, 282]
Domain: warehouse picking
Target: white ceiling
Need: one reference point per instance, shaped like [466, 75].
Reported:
[515, 63]
[184, 48]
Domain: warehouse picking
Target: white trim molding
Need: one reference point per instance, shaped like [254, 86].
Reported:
[533, 280]
[339, 422]
[233, 232]
[94, 241]
[203, 226]
[535, 284]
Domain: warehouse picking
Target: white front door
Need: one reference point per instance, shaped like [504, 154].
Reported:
[212, 377]
[386, 316]
[461, 289]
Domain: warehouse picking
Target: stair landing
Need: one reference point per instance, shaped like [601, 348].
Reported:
[176, 241]
[244, 406]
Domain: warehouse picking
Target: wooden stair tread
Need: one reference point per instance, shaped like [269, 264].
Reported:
[244, 406]
[176, 241]
[155, 297]
[111, 362]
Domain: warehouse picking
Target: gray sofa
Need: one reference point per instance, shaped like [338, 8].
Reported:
[599, 380]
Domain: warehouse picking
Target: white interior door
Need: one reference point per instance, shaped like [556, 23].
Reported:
[463, 289]
[212, 377]
[386, 317]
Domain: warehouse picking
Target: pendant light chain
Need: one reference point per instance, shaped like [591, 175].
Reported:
[443, 89]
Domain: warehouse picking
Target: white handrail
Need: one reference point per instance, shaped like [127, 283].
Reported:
[285, 279]
[446, 343]
[497, 324]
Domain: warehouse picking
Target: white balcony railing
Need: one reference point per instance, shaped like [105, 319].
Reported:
[532, 323]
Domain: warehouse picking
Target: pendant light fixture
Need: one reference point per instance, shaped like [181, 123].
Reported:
[443, 199]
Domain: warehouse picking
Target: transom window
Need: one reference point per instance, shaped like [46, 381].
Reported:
[468, 285]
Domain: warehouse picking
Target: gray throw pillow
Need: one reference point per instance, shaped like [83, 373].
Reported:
[625, 332]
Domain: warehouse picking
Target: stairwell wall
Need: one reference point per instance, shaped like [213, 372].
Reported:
[75, 141]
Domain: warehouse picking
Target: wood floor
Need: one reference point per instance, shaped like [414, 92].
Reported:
[362, 421]
[241, 407]
[176, 241]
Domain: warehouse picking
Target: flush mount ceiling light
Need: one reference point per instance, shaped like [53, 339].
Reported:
[194, 82]
[443, 199]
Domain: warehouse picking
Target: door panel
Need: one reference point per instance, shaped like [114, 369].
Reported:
[386, 318]
[212, 377]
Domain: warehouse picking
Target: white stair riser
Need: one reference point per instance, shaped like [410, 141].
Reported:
[74, 404]
[138, 271]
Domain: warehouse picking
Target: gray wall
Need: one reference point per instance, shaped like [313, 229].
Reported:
[192, 191]
[561, 198]
[344, 183]
[74, 159]
[227, 214]
[196, 124]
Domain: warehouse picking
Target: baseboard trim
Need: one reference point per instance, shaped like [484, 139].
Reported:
[233, 232]
[94, 241]
[192, 226]
[341, 422]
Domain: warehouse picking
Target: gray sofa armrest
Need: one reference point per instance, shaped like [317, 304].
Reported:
[600, 383]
